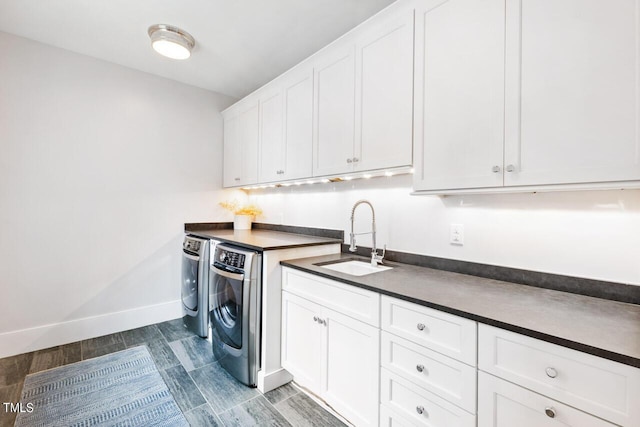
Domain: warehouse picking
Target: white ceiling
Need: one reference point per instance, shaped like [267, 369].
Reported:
[240, 44]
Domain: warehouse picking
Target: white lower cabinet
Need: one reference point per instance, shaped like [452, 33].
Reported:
[428, 373]
[302, 340]
[332, 354]
[419, 405]
[379, 360]
[435, 372]
[503, 404]
[604, 388]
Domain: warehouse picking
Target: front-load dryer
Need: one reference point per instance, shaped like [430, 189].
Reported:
[234, 310]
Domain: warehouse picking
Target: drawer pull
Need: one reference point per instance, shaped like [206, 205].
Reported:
[421, 326]
[551, 372]
[420, 409]
[420, 368]
[551, 413]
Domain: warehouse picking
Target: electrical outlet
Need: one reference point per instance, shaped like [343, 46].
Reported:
[456, 236]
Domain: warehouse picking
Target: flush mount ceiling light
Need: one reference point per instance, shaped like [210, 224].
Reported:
[171, 42]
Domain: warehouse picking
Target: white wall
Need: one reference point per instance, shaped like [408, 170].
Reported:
[100, 166]
[591, 234]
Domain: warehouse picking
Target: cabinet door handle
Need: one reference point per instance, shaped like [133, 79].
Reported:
[510, 168]
[236, 179]
[551, 372]
[323, 322]
[420, 409]
[315, 318]
[349, 160]
[550, 411]
[495, 169]
[420, 326]
[420, 368]
[356, 160]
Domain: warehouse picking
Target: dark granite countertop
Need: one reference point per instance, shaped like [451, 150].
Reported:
[263, 240]
[604, 328]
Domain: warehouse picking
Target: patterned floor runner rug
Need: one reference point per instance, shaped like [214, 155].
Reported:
[119, 389]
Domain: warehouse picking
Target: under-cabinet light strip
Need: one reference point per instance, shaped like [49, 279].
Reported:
[336, 178]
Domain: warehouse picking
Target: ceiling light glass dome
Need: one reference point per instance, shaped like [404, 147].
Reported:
[170, 41]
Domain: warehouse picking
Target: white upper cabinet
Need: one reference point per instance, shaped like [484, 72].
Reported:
[459, 94]
[271, 140]
[526, 93]
[363, 98]
[286, 118]
[384, 93]
[334, 112]
[232, 151]
[348, 108]
[298, 124]
[572, 91]
[241, 144]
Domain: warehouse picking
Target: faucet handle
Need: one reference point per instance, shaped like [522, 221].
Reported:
[375, 258]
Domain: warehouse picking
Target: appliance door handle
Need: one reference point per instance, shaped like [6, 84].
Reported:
[187, 255]
[227, 274]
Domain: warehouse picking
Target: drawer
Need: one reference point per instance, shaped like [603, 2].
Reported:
[419, 406]
[352, 301]
[442, 332]
[446, 377]
[390, 418]
[501, 403]
[601, 387]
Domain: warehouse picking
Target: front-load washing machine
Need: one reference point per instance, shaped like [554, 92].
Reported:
[234, 310]
[195, 284]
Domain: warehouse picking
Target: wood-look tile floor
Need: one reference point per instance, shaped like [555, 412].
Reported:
[204, 391]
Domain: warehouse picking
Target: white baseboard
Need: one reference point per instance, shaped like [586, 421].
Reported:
[273, 380]
[39, 337]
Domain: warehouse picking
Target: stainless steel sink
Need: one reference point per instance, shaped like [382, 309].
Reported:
[355, 268]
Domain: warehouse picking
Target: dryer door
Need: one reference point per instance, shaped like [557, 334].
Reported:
[227, 307]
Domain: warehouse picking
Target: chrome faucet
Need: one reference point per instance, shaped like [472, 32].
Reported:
[375, 258]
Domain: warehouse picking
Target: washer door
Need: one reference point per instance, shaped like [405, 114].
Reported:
[190, 281]
[227, 311]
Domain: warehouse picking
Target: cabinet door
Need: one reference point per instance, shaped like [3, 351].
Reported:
[232, 152]
[351, 368]
[503, 404]
[298, 124]
[384, 94]
[271, 155]
[334, 98]
[248, 120]
[302, 340]
[572, 91]
[459, 94]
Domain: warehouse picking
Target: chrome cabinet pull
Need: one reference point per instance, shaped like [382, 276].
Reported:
[315, 318]
[421, 326]
[420, 368]
[550, 411]
[349, 160]
[236, 179]
[551, 372]
[495, 169]
[510, 168]
[356, 160]
[420, 409]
